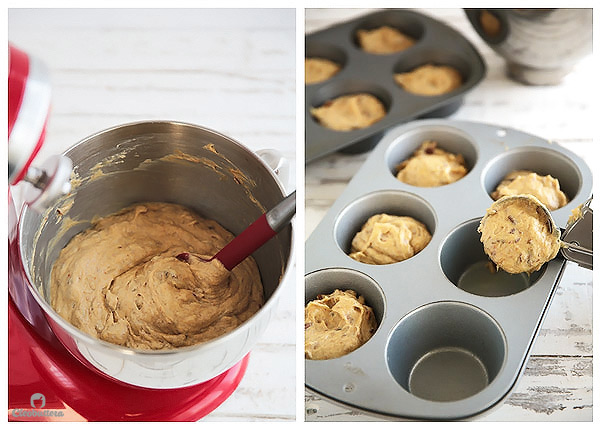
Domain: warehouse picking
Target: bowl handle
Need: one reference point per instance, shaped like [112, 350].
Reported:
[278, 163]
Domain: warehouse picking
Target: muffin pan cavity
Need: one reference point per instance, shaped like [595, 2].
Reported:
[465, 264]
[450, 139]
[435, 43]
[396, 203]
[338, 89]
[540, 160]
[324, 282]
[446, 351]
[327, 52]
[436, 58]
[448, 345]
[405, 23]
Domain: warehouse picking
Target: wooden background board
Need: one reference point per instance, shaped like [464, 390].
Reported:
[230, 70]
[557, 383]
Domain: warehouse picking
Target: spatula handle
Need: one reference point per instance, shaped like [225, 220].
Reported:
[258, 233]
[280, 215]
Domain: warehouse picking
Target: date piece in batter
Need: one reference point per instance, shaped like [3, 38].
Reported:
[336, 324]
[349, 112]
[431, 166]
[544, 188]
[317, 70]
[429, 80]
[384, 40]
[518, 236]
[137, 279]
[386, 239]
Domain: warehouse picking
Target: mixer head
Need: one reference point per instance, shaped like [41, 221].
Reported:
[28, 107]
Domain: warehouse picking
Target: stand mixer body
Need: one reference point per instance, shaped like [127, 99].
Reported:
[39, 366]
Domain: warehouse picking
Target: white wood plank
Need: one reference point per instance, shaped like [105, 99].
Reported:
[551, 389]
[259, 397]
[233, 71]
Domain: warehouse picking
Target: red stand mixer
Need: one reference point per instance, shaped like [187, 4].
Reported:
[46, 381]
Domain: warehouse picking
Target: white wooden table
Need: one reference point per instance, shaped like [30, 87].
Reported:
[229, 70]
[557, 383]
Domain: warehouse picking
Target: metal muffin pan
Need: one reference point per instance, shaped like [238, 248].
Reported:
[436, 43]
[442, 350]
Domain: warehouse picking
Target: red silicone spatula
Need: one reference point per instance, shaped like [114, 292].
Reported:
[258, 233]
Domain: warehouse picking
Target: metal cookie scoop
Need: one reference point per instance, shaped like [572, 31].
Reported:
[576, 242]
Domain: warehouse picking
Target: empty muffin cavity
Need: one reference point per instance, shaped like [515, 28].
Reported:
[349, 105]
[538, 160]
[432, 168]
[466, 265]
[322, 62]
[446, 351]
[344, 287]
[385, 227]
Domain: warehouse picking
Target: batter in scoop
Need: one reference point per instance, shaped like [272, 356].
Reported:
[319, 69]
[544, 188]
[136, 279]
[336, 324]
[349, 112]
[429, 80]
[386, 239]
[384, 40]
[431, 166]
[516, 235]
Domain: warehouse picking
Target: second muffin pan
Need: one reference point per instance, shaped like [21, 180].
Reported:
[436, 43]
[448, 345]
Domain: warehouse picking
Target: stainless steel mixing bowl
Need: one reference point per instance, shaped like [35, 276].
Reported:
[211, 173]
[540, 46]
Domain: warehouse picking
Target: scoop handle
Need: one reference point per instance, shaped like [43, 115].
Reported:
[576, 248]
[576, 242]
[258, 233]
